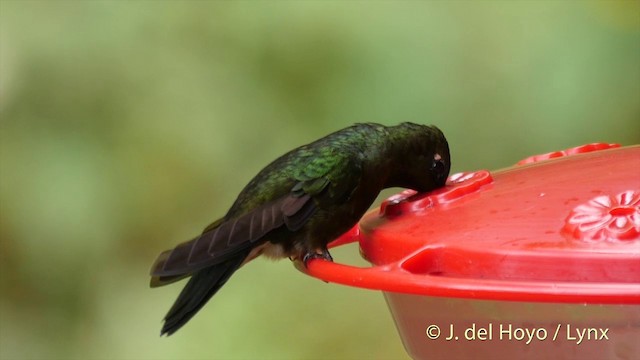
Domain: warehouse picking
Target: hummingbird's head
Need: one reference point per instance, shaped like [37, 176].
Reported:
[421, 159]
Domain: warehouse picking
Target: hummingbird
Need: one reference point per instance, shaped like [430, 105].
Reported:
[299, 203]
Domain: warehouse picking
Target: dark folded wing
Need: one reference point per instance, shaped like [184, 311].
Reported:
[324, 181]
[230, 237]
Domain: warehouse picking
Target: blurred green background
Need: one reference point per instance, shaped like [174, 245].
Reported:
[127, 127]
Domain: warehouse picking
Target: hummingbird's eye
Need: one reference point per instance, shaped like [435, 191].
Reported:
[438, 165]
[439, 169]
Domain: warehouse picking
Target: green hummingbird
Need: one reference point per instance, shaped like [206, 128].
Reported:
[299, 203]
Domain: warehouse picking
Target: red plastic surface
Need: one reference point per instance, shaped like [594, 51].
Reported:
[566, 229]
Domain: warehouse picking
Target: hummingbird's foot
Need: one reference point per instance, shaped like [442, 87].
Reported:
[324, 255]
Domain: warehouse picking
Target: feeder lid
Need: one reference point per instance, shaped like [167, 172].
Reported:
[561, 227]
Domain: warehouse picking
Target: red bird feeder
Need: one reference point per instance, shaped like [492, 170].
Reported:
[537, 261]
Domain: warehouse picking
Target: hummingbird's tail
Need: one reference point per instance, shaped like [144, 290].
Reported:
[204, 283]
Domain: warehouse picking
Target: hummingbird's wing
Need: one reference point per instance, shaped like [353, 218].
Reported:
[319, 182]
[229, 238]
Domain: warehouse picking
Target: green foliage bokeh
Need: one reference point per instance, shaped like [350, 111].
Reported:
[126, 127]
